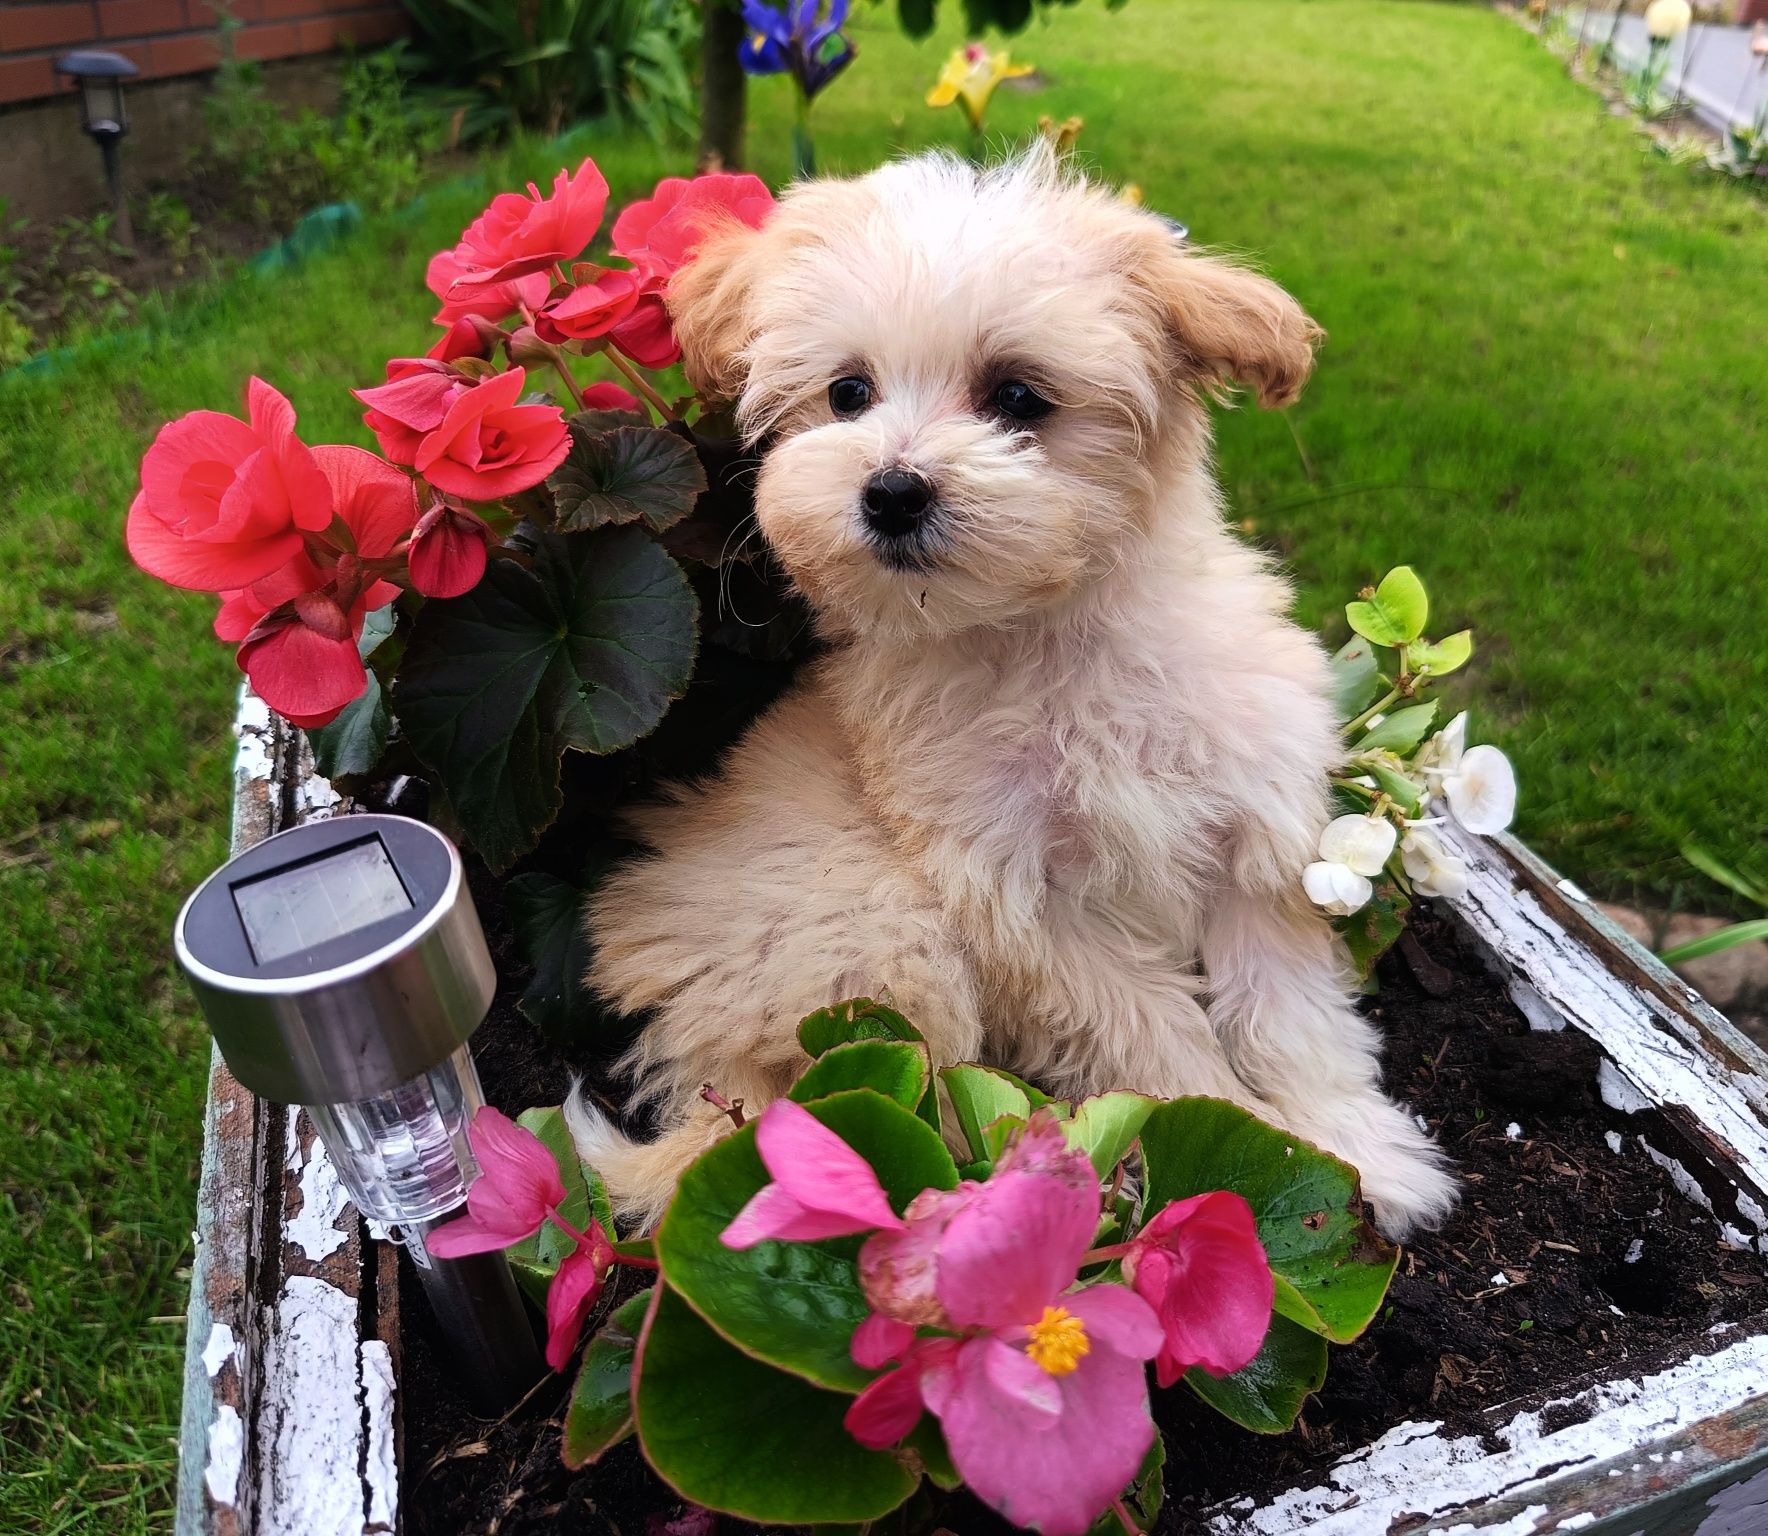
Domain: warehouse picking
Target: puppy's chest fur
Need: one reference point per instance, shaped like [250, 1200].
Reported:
[1044, 786]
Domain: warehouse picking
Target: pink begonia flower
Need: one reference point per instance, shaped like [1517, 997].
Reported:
[299, 626]
[224, 502]
[466, 336]
[592, 308]
[661, 233]
[410, 405]
[646, 335]
[524, 233]
[573, 1293]
[450, 548]
[487, 446]
[611, 397]
[490, 302]
[518, 1188]
[1043, 1399]
[1200, 1265]
[821, 1187]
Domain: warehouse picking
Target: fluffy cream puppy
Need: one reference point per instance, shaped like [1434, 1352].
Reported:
[1053, 786]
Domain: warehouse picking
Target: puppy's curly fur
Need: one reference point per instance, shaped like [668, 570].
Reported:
[1052, 788]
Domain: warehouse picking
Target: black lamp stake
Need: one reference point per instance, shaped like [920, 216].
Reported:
[105, 117]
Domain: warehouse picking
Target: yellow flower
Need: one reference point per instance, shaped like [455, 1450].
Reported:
[970, 77]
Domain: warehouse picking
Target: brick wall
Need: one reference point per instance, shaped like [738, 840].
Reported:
[166, 38]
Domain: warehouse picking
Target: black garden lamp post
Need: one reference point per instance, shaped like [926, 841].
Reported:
[104, 115]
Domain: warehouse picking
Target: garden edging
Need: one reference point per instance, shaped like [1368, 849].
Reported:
[292, 1355]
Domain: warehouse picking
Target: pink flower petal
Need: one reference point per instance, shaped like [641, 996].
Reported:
[886, 1410]
[1200, 1264]
[1016, 1247]
[898, 1269]
[610, 397]
[468, 1234]
[1052, 1473]
[196, 564]
[517, 1175]
[569, 1298]
[376, 501]
[449, 557]
[818, 1169]
[302, 675]
[879, 1340]
[1014, 1375]
[773, 1214]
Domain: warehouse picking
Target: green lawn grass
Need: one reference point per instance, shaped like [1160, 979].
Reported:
[1542, 388]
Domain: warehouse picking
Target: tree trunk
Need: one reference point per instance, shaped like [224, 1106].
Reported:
[723, 88]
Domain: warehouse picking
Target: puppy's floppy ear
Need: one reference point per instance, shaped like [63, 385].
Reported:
[711, 303]
[1231, 325]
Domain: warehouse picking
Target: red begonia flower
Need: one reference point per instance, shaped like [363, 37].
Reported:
[449, 551]
[521, 233]
[490, 302]
[410, 405]
[660, 233]
[590, 309]
[224, 502]
[487, 446]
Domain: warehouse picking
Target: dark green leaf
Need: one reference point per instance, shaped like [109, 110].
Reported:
[1369, 934]
[1268, 1394]
[1306, 1202]
[625, 475]
[898, 1069]
[583, 652]
[588, 424]
[353, 743]
[599, 1415]
[916, 16]
[858, 1018]
[1400, 731]
[1143, 1497]
[736, 1435]
[547, 916]
[1356, 678]
[794, 1305]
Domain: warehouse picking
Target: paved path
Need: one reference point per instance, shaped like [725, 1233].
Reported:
[1725, 82]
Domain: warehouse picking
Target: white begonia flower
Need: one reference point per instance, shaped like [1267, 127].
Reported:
[1442, 753]
[1361, 843]
[1432, 869]
[1341, 891]
[1482, 790]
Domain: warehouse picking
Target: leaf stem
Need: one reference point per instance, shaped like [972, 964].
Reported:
[1351, 727]
[641, 384]
[570, 382]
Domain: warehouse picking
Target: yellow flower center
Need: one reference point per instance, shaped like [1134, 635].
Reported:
[1058, 1341]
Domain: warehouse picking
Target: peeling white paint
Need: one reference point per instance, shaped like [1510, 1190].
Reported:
[1415, 1470]
[219, 1350]
[318, 1231]
[309, 1422]
[1524, 1523]
[1577, 1522]
[1613, 1138]
[251, 727]
[381, 1463]
[227, 1442]
[1751, 1212]
[1618, 1090]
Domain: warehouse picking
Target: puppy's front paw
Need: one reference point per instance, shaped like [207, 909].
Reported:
[1408, 1182]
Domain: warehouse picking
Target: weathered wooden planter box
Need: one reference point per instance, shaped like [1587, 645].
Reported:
[292, 1409]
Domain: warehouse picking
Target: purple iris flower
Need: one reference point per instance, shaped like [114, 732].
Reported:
[793, 40]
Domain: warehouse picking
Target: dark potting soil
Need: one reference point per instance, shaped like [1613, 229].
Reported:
[1563, 1258]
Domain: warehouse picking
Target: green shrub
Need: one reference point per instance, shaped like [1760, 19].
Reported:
[542, 63]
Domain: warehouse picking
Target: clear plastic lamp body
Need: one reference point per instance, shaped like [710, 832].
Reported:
[403, 1155]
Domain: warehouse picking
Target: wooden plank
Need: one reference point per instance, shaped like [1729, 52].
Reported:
[1695, 1090]
[290, 1423]
[1594, 1461]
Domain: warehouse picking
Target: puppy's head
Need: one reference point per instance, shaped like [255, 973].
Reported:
[971, 383]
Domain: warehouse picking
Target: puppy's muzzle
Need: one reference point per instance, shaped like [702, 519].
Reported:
[897, 503]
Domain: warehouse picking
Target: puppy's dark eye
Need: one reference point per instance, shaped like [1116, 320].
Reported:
[849, 396]
[1018, 401]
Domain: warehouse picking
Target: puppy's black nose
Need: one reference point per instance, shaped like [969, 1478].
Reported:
[897, 501]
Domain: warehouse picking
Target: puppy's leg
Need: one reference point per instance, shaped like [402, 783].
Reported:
[1111, 1010]
[1280, 999]
[771, 894]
